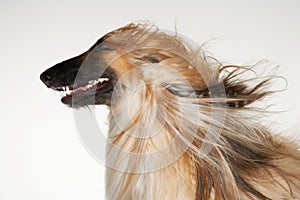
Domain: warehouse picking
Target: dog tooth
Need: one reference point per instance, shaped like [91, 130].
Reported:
[103, 79]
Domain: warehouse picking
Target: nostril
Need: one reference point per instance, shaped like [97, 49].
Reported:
[46, 79]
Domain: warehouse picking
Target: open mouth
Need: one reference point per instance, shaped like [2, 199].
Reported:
[80, 87]
[79, 92]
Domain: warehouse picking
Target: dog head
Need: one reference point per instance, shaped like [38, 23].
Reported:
[143, 52]
[92, 76]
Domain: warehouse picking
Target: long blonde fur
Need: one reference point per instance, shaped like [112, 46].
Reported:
[164, 100]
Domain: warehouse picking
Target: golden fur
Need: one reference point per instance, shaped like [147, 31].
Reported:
[164, 97]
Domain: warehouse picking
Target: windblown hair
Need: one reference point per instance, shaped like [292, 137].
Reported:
[170, 95]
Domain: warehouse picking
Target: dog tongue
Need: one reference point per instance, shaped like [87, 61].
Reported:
[101, 86]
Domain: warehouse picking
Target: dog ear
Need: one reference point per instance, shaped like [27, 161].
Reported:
[242, 92]
[233, 91]
[230, 90]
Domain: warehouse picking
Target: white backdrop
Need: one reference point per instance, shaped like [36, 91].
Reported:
[41, 154]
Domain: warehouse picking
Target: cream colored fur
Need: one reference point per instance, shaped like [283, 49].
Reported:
[146, 117]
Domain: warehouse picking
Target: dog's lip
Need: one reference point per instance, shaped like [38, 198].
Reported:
[64, 88]
[75, 86]
[101, 85]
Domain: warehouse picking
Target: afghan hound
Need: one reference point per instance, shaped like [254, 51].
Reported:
[181, 124]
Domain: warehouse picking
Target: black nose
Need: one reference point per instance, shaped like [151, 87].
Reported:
[46, 78]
